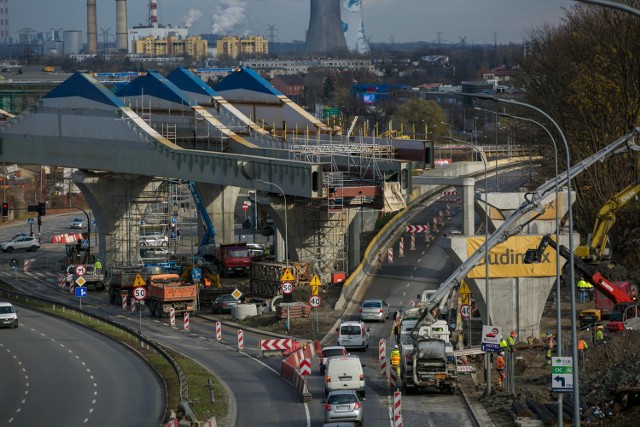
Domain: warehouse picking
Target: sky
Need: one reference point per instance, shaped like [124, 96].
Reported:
[475, 21]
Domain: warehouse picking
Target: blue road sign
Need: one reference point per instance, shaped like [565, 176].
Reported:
[174, 220]
[30, 221]
[81, 291]
[196, 273]
[85, 243]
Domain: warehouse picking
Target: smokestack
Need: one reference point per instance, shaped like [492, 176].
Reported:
[92, 27]
[153, 13]
[325, 34]
[121, 25]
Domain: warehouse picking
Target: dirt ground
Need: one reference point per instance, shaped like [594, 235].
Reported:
[609, 375]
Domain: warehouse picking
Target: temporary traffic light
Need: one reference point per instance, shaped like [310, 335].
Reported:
[5, 209]
[42, 208]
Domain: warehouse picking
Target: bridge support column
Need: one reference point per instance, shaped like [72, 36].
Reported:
[220, 202]
[110, 198]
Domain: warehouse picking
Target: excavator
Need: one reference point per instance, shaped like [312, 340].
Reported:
[597, 248]
[515, 223]
[623, 302]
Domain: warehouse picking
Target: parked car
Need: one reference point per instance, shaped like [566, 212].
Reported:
[77, 223]
[343, 405]
[330, 351]
[31, 244]
[224, 303]
[353, 335]
[153, 240]
[374, 309]
[8, 314]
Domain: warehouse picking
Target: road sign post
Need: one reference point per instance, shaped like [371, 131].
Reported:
[562, 374]
[139, 294]
[81, 292]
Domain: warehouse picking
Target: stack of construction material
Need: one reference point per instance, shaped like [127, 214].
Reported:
[297, 309]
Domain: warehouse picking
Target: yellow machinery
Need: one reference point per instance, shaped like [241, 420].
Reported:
[597, 246]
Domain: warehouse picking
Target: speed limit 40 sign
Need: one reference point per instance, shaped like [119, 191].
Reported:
[315, 301]
[287, 288]
[465, 311]
[139, 293]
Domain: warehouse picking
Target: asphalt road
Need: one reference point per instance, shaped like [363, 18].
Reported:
[56, 373]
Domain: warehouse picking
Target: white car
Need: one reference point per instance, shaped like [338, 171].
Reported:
[8, 315]
[31, 244]
[154, 240]
[353, 334]
[77, 223]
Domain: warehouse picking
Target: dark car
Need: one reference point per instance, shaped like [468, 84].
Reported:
[224, 303]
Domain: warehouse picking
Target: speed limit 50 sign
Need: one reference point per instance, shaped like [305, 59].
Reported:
[287, 288]
[139, 293]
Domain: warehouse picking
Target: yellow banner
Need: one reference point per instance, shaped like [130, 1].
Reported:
[506, 259]
[550, 210]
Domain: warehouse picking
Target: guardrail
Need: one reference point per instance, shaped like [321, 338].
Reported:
[16, 297]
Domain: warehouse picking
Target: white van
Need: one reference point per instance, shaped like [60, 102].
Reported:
[353, 335]
[344, 373]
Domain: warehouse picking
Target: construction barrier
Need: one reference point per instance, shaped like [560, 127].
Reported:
[383, 367]
[401, 247]
[133, 306]
[379, 265]
[397, 407]
[382, 349]
[290, 368]
[62, 281]
[172, 316]
[435, 224]
[412, 247]
[393, 380]
[218, 331]
[305, 367]
[240, 340]
[186, 320]
[390, 256]
[275, 347]
[124, 302]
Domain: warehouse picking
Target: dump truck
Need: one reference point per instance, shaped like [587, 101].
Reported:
[233, 258]
[121, 280]
[166, 291]
[92, 279]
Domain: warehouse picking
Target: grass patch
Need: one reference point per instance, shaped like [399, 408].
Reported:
[199, 380]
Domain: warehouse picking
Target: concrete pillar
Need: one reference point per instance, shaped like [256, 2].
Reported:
[220, 203]
[109, 197]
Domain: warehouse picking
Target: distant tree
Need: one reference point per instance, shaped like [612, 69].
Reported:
[416, 114]
[584, 73]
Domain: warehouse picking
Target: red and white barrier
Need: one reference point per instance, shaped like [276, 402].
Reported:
[172, 316]
[124, 302]
[393, 380]
[383, 367]
[305, 367]
[133, 306]
[417, 228]
[276, 345]
[240, 340]
[412, 246]
[62, 281]
[390, 256]
[397, 408]
[379, 266]
[435, 224]
[218, 331]
[382, 349]
[186, 321]
[401, 247]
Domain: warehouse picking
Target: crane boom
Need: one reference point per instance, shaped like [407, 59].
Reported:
[209, 232]
[514, 224]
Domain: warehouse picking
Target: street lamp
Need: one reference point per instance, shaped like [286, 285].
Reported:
[576, 384]
[558, 310]
[487, 369]
[286, 227]
[450, 137]
[613, 5]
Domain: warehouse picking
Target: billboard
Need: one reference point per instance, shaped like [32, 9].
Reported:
[506, 259]
[353, 26]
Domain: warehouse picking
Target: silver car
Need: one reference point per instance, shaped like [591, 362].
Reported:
[8, 315]
[31, 244]
[343, 405]
[374, 309]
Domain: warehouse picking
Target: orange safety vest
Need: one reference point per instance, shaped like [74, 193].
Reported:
[500, 362]
[395, 357]
[582, 344]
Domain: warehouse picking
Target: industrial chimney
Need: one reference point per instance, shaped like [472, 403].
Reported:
[92, 27]
[325, 35]
[121, 25]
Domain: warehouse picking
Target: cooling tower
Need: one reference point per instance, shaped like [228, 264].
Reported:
[325, 35]
[121, 25]
[353, 26]
[92, 27]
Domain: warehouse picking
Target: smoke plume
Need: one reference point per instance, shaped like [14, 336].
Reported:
[227, 16]
[192, 17]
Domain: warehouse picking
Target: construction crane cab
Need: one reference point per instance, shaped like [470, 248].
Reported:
[620, 315]
[597, 247]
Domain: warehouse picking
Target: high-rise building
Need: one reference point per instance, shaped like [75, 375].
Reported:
[193, 46]
[234, 46]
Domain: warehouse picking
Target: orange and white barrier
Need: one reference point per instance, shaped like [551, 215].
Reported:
[393, 380]
[218, 331]
[240, 340]
[397, 408]
[186, 320]
[172, 316]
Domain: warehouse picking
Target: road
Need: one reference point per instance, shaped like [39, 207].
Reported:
[56, 373]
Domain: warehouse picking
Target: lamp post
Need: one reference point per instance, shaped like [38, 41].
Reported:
[487, 369]
[450, 137]
[286, 227]
[576, 384]
[612, 5]
[558, 310]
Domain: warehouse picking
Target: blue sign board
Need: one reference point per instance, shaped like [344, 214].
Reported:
[30, 221]
[85, 243]
[196, 273]
[174, 220]
[81, 291]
